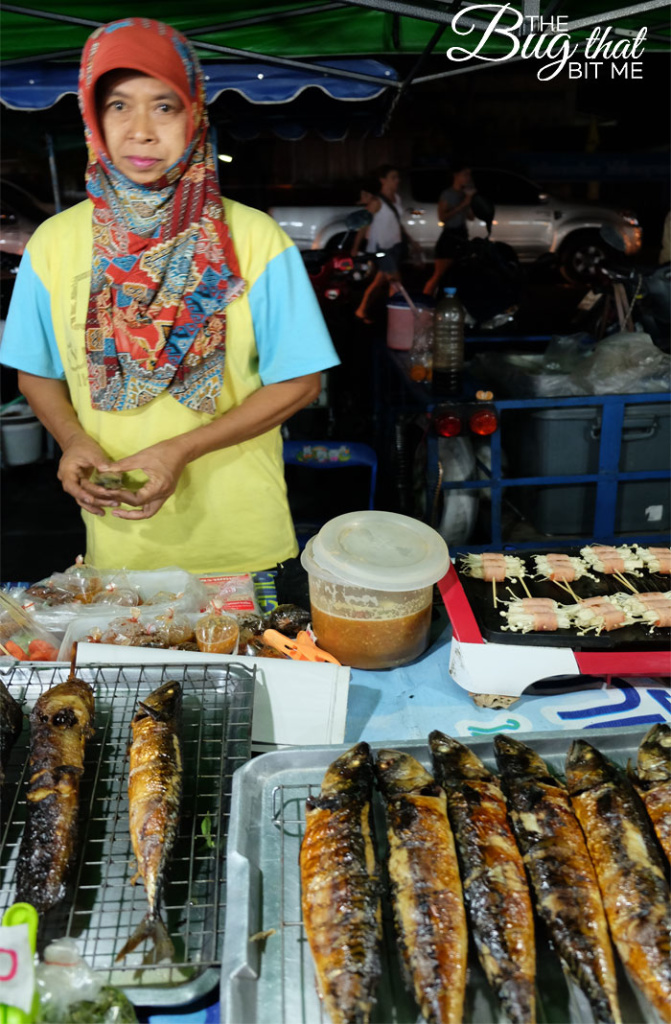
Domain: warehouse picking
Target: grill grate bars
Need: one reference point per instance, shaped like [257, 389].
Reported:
[102, 907]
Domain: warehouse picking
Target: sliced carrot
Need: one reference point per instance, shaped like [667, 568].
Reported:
[42, 650]
[15, 650]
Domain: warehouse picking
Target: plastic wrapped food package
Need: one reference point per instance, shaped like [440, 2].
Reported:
[234, 593]
[69, 991]
[118, 590]
[21, 637]
[217, 633]
[170, 630]
[63, 593]
[85, 581]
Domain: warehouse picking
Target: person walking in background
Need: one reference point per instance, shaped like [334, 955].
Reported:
[387, 239]
[454, 210]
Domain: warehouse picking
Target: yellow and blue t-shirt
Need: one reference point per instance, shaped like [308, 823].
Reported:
[229, 511]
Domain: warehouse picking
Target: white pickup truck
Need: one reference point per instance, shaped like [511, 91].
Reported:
[526, 218]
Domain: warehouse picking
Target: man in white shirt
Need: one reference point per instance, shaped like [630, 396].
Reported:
[385, 235]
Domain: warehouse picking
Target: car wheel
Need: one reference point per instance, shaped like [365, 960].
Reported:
[582, 255]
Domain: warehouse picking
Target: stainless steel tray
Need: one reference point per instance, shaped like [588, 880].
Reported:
[102, 908]
[270, 980]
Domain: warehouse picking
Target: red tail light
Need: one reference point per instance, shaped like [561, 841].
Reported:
[343, 263]
[483, 422]
[447, 424]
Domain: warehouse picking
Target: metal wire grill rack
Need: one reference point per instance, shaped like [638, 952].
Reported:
[296, 967]
[288, 817]
[286, 991]
[102, 908]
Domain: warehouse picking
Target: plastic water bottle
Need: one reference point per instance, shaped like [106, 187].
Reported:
[448, 343]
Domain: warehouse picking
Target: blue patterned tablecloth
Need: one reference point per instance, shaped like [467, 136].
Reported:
[407, 703]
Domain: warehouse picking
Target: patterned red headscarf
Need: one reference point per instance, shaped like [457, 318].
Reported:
[164, 267]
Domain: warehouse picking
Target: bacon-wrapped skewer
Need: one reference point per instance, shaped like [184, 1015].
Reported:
[612, 561]
[493, 566]
[656, 559]
[601, 614]
[653, 608]
[536, 614]
[561, 568]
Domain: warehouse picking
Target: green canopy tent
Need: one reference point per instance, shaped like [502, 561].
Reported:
[305, 35]
[277, 31]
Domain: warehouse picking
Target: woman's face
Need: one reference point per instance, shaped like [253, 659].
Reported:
[144, 124]
[390, 183]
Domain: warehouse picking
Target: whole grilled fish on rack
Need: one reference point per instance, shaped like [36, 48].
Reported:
[495, 885]
[11, 724]
[425, 886]
[629, 867]
[562, 876]
[341, 888]
[652, 780]
[154, 795]
[60, 724]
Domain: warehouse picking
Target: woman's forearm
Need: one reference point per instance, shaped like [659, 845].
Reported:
[261, 411]
[50, 401]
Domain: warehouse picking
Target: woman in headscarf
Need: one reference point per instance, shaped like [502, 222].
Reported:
[159, 329]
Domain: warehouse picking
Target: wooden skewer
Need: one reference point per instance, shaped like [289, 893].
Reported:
[494, 597]
[564, 586]
[528, 592]
[618, 576]
[572, 592]
[5, 651]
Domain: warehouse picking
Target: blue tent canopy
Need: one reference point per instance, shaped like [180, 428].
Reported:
[39, 86]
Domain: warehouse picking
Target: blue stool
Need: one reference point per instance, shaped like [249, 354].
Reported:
[330, 455]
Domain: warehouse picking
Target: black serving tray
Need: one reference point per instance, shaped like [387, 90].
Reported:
[636, 637]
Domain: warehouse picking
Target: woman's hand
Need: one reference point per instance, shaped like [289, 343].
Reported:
[163, 464]
[80, 457]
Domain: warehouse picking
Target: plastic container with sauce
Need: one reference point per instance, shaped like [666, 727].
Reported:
[217, 633]
[371, 577]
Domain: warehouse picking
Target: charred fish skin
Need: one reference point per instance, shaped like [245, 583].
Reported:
[652, 780]
[630, 870]
[60, 724]
[494, 881]
[561, 873]
[11, 724]
[425, 886]
[340, 888]
[154, 796]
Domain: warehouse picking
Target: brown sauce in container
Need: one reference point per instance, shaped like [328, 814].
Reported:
[372, 643]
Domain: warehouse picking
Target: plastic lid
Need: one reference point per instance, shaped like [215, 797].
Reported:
[381, 551]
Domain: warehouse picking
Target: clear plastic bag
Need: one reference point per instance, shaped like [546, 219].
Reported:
[626, 364]
[234, 593]
[118, 590]
[21, 636]
[71, 993]
[217, 633]
[169, 630]
[85, 581]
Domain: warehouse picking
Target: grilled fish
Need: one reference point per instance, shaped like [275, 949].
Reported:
[562, 876]
[341, 888]
[629, 868]
[154, 794]
[11, 724]
[493, 876]
[653, 780]
[60, 724]
[425, 887]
